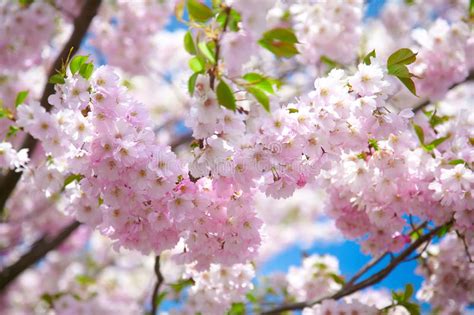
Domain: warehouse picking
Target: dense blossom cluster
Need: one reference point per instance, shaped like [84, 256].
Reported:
[215, 290]
[133, 188]
[449, 275]
[124, 32]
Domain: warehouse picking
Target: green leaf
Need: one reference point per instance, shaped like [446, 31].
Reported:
[12, 130]
[251, 297]
[25, 2]
[293, 110]
[160, 298]
[71, 178]
[444, 229]
[192, 83]
[399, 70]
[457, 162]
[410, 85]
[85, 280]
[433, 144]
[57, 79]
[76, 63]
[206, 51]
[367, 57]
[237, 309]
[261, 97]
[337, 278]
[374, 144]
[20, 98]
[259, 81]
[408, 291]
[420, 133]
[412, 308]
[329, 62]
[198, 11]
[402, 56]
[471, 9]
[280, 41]
[189, 43]
[181, 285]
[197, 64]
[225, 97]
[86, 70]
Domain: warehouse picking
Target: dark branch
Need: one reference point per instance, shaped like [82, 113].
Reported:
[156, 289]
[36, 253]
[352, 287]
[81, 25]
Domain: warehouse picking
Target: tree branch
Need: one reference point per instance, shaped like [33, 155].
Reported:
[352, 287]
[37, 252]
[81, 25]
[156, 289]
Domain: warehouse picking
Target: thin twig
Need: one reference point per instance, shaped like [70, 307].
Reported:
[156, 289]
[466, 247]
[213, 72]
[375, 278]
[81, 25]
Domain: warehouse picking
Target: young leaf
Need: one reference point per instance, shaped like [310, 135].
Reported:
[71, 178]
[410, 85]
[225, 97]
[182, 284]
[259, 81]
[402, 56]
[237, 309]
[197, 64]
[76, 63]
[261, 97]
[160, 298]
[192, 83]
[280, 41]
[20, 98]
[206, 51]
[12, 130]
[198, 11]
[57, 79]
[86, 70]
[456, 162]
[435, 143]
[420, 134]
[367, 57]
[189, 43]
[399, 70]
[329, 62]
[408, 291]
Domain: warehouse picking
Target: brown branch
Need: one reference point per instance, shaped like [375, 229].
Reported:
[350, 288]
[213, 72]
[156, 289]
[81, 25]
[37, 252]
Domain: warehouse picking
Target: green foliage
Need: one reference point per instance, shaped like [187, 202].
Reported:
[86, 70]
[189, 43]
[367, 57]
[259, 86]
[71, 178]
[181, 285]
[160, 298]
[337, 278]
[85, 280]
[197, 64]
[76, 63]
[435, 119]
[192, 83]
[293, 110]
[25, 2]
[237, 309]
[12, 131]
[404, 299]
[208, 51]
[280, 41]
[198, 11]
[260, 96]
[21, 97]
[428, 146]
[233, 18]
[471, 9]
[225, 96]
[57, 78]
[374, 144]
[397, 66]
[457, 162]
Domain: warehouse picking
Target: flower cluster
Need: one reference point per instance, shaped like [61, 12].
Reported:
[334, 307]
[124, 32]
[132, 188]
[11, 158]
[24, 29]
[215, 290]
[449, 275]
